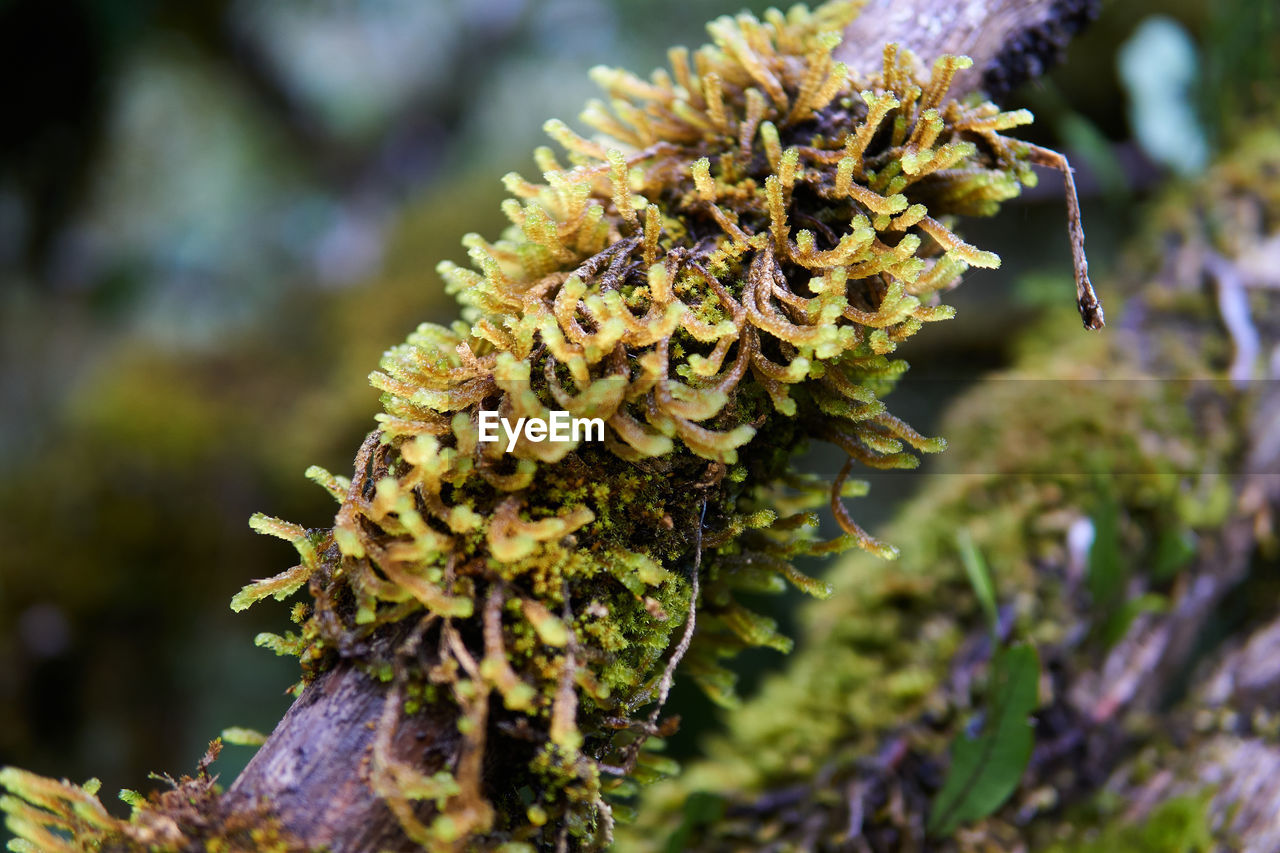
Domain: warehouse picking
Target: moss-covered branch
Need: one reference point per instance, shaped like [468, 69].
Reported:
[720, 275]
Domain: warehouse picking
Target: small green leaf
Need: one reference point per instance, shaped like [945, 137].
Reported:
[980, 579]
[985, 770]
[238, 736]
[701, 808]
[1109, 574]
[1174, 550]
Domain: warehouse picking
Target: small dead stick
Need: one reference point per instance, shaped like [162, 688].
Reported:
[1086, 299]
[664, 686]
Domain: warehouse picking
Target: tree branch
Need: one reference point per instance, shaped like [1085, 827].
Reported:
[313, 772]
[1009, 41]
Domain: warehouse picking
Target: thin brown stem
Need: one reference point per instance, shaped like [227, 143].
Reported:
[1086, 299]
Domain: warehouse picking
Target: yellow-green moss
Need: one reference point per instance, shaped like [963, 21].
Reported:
[720, 276]
[47, 816]
[1142, 431]
[1178, 825]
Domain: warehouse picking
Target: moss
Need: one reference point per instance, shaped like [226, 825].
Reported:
[1136, 431]
[48, 816]
[1178, 825]
[1209, 233]
[721, 276]
[878, 655]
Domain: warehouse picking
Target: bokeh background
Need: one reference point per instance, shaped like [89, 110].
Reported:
[216, 214]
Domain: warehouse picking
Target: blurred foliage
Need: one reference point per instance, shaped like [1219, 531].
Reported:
[151, 439]
[1178, 825]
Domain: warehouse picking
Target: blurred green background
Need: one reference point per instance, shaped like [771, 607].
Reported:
[216, 214]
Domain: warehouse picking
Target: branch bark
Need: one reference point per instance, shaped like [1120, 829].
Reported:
[313, 772]
[1009, 41]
